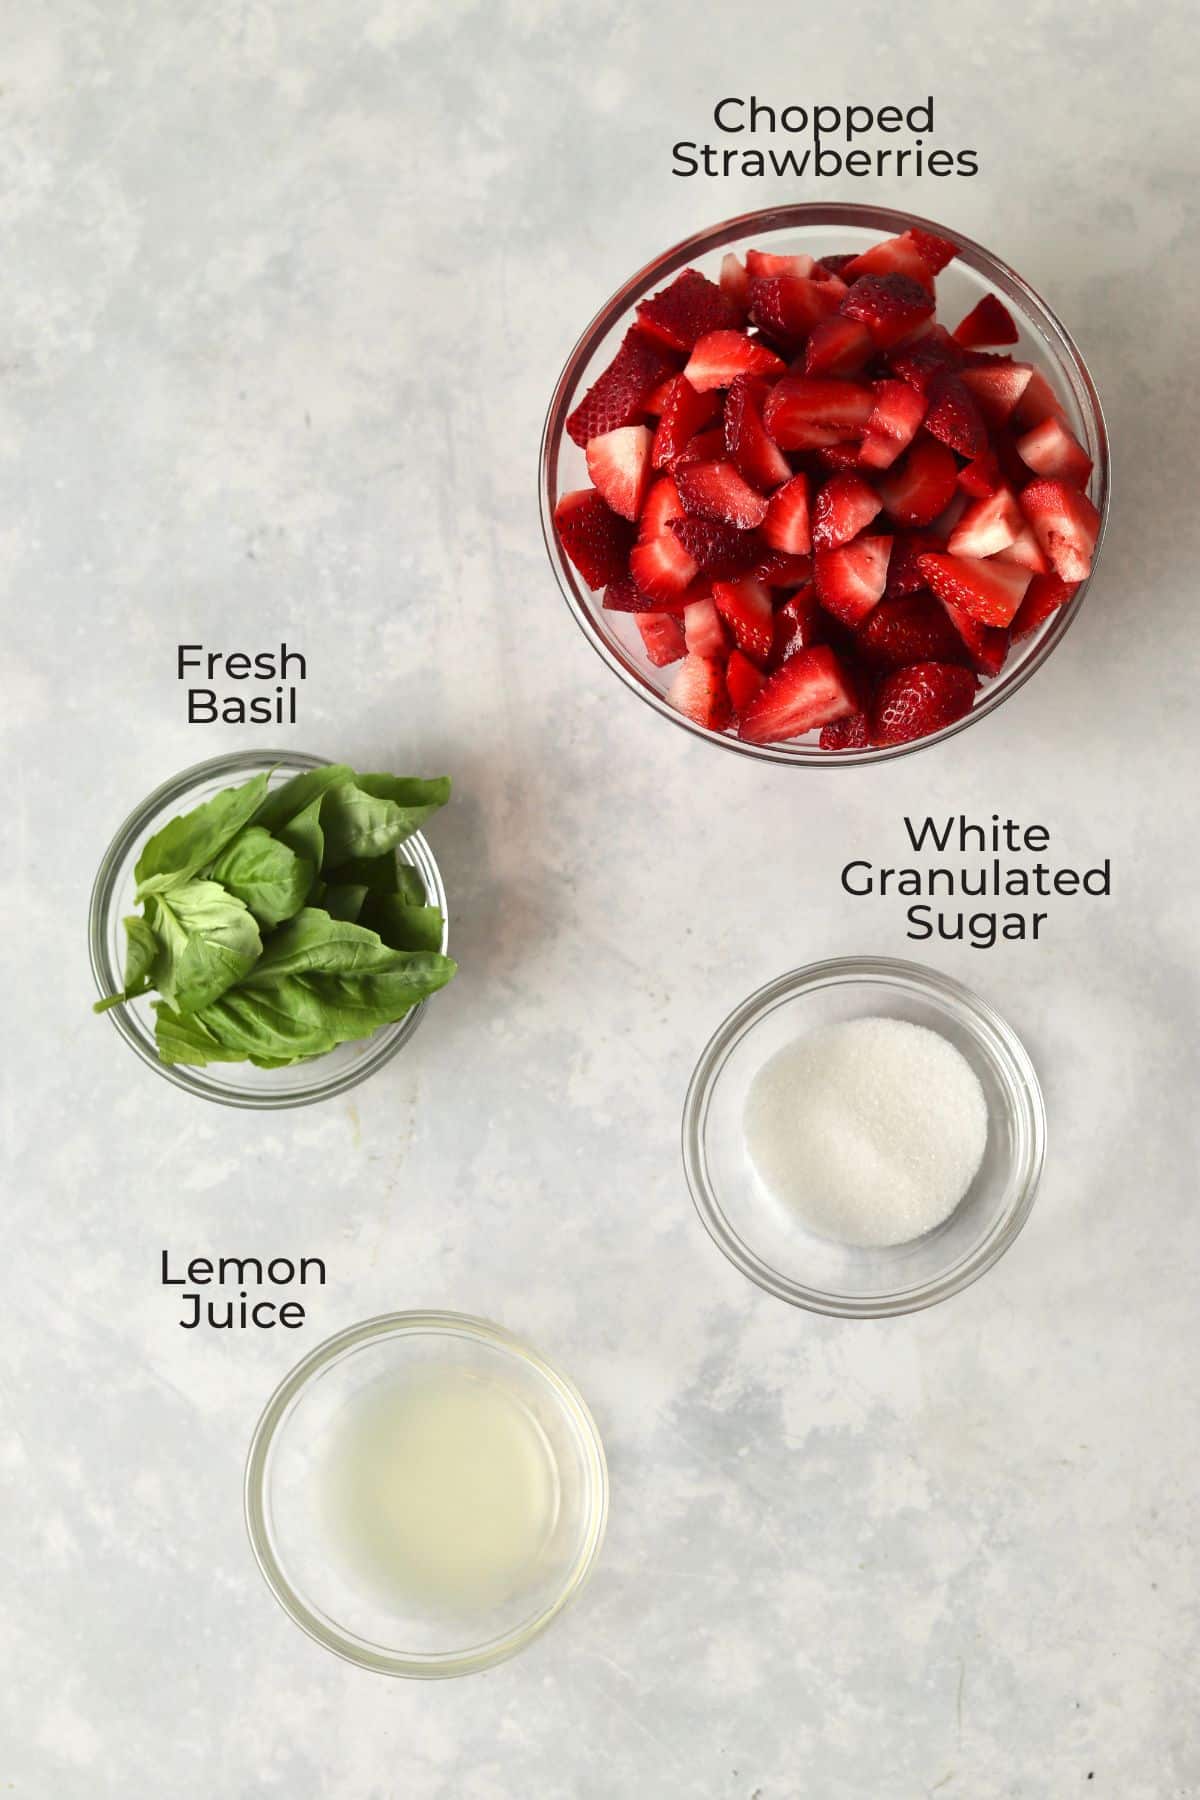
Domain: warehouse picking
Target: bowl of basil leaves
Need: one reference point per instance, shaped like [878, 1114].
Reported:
[266, 927]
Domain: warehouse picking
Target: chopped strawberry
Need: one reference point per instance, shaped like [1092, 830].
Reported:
[684, 412]
[844, 506]
[953, 416]
[799, 623]
[918, 362]
[762, 462]
[786, 307]
[1044, 595]
[761, 263]
[986, 645]
[698, 692]
[1066, 525]
[719, 550]
[596, 539]
[912, 703]
[850, 733]
[658, 399]
[937, 251]
[618, 397]
[837, 346]
[786, 526]
[892, 256]
[743, 680]
[981, 477]
[803, 412]
[707, 446]
[662, 636]
[1037, 401]
[989, 589]
[703, 631]
[893, 424]
[890, 306]
[1050, 449]
[624, 595]
[721, 356]
[781, 571]
[619, 465]
[851, 579]
[987, 527]
[1026, 550]
[659, 563]
[833, 265]
[745, 606]
[921, 485]
[716, 491]
[692, 306]
[904, 570]
[910, 629]
[811, 689]
[735, 284]
[988, 323]
[997, 389]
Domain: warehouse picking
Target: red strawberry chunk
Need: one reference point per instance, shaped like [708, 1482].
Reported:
[750, 449]
[619, 396]
[987, 527]
[779, 570]
[787, 306]
[706, 447]
[989, 589]
[833, 264]
[1044, 595]
[699, 693]
[893, 256]
[767, 262]
[850, 733]
[677, 315]
[662, 636]
[786, 526]
[981, 477]
[662, 504]
[624, 595]
[988, 323]
[851, 579]
[1066, 525]
[735, 284]
[619, 465]
[803, 412]
[811, 689]
[721, 356]
[720, 550]
[921, 485]
[917, 363]
[596, 539]
[684, 413]
[1037, 401]
[893, 425]
[910, 629]
[837, 346]
[844, 506]
[703, 631]
[799, 624]
[937, 251]
[716, 491]
[1026, 550]
[904, 570]
[912, 703]
[745, 606]
[997, 388]
[986, 645]
[954, 417]
[890, 306]
[1050, 449]
[743, 680]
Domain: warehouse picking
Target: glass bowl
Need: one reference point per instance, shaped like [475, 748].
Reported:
[232, 1084]
[770, 1245]
[285, 1496]
[818, 230]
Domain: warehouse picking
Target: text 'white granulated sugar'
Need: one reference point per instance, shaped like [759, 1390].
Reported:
[872, 1130]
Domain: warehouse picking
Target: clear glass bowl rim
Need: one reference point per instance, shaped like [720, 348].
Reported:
[344, 1343]
[381, 1047]
[724, 235]
[972, 1011]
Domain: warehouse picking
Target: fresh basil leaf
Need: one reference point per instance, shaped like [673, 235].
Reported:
[378, 874]
[259, 869]
[141, 951]
[303, 834]
[343, 900]
[192, 841]
[401, 926]
[366, 817]
[314, 941]
[293, 797]
[207, 940]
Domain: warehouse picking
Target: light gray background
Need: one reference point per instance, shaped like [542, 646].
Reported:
[285, 291]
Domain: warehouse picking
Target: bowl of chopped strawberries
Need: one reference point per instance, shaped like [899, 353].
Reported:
[825, 483]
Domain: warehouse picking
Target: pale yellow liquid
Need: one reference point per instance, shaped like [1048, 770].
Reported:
[442, 1491]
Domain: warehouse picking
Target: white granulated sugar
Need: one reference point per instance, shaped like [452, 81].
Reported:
[872, 1130]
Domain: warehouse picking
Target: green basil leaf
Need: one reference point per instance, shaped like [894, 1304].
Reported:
[303, 834]
[141, 952]
[293, 797]
[343, 900]
[313, 940]
[369, 816]
[192, 841]
[378, 874]
[259, 869]
[401, 926]
[207, 941]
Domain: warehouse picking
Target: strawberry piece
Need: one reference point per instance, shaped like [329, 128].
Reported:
[981, 477]
[988, 323]
[833, 265]
[1038, 401]
[596, 539]
[912, 703]
[997, 388]
[913, 628]
[917, 363]
[707, 446]
[619, 396]
[686, 310]
[890, 306]
[703, 631]
[840, 458]
[893, 256]
[786, 526]
[750, 449]
[787, 306]
[844, 506]
[987, 588]
[837, 346]
[699, 693]
[1050, 449]
[850, 733]
[936, 251]
[1066, 525]
[921, 485]
[893, 424]
[986, 645]
[1044, 595]
[716, 491]
[851, 579]
[684, 412]
[811, 689]
[779, 570]
[761, 263]
[718, 550]
[662, 636]
[799, 624]
[658, 399]
[904, 571]
[721, 356]
[987, 527]
[1026, 550]
[659, 563]
[803, 412]
[624, 595]
[662, 505]
[745, 606]
[619, 465]
[743, 680]
[953, 416]
[735, 285]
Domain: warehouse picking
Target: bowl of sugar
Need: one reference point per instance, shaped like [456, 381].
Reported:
[864, 1137]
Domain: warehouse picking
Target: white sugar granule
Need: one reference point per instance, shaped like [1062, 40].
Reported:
[872, 1130]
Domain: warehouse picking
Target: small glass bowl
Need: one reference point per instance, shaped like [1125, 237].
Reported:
[818, 230]
[773, 1248]
[232, 1084]
[284, 1496]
